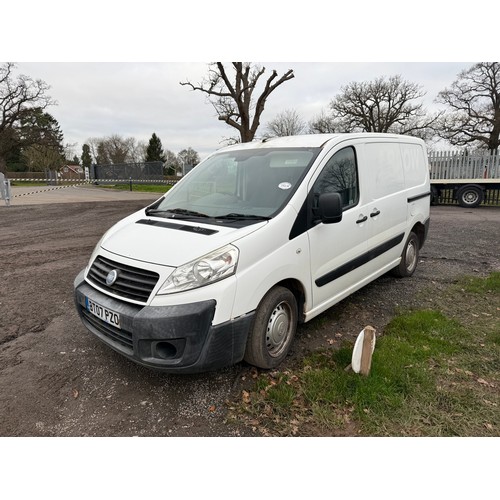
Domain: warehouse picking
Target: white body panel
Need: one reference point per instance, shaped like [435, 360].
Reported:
[391, 171]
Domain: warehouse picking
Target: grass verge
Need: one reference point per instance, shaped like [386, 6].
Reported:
[434, 373]
[28, 184]
[143, 188]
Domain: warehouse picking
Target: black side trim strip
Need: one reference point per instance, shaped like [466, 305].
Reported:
[180, 227]
[359, 261]
[418, 197]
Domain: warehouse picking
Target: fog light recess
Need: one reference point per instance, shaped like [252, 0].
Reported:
[166, 350]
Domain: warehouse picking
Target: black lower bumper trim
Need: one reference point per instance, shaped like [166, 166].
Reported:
[175, 339]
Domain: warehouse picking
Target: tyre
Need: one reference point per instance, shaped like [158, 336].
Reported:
[470, 196]
[434, 196]
[273, 329]
[409, 257]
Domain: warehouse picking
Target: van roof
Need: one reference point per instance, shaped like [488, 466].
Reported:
[311, 140]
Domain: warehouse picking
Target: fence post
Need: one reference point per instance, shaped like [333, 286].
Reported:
[5, 189]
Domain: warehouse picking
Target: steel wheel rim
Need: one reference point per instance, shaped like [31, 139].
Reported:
[411, 256]
[471, 197]
[279, 328]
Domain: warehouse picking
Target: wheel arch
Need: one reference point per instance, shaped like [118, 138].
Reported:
[420, 230]
[296, 287]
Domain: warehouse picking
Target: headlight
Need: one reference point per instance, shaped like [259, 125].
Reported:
[210, 268]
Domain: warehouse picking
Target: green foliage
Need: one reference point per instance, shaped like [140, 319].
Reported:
[482, 285]
[143, 188]
[20, 98]
[281, 396]
[431, 375]
[86, 156]
[154, 151]
[39, 128]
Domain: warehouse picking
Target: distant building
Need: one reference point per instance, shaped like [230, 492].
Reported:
[70, 172]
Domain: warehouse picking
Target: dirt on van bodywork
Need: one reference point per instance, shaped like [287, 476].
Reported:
[56, 379]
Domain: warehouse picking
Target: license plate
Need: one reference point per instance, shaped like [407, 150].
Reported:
[110, 317]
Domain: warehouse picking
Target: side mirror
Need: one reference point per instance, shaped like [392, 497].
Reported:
[330, 208]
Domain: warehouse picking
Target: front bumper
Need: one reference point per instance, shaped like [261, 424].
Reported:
[175, 339]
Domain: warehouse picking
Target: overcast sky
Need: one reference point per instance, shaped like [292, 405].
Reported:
[137, 99]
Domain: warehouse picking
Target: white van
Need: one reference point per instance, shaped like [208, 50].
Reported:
[257, 238]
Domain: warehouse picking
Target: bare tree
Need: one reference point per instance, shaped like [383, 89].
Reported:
[188, 157]
[93, 143]
[172, 165]
[233, 98]
[138, 151]
[39, 157]
[322, 124]
[16, 96]
[474, 107]
[116, 149]
[381, 105]
[286, 123]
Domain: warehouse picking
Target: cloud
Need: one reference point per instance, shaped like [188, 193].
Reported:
[137, 99]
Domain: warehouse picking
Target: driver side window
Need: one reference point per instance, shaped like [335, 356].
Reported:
[340, 175]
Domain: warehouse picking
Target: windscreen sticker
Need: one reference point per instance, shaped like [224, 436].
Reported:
[284, 185]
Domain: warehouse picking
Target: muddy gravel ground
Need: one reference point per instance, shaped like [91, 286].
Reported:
[56, 379]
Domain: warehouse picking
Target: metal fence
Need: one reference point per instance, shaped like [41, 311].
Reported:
[144, 172]
[454, 165]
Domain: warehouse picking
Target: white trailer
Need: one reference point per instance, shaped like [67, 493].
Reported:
[471, 178]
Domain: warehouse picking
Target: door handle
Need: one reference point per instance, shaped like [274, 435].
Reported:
[375, 213]
[362, 218]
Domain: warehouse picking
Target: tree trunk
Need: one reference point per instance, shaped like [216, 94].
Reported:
[494, 141]
[3, 165]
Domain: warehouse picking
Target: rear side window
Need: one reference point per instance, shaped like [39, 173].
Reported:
[385, 169]
[340, 175]
[414, 164]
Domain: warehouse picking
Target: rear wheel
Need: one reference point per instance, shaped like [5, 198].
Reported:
[409, 257]
[273, 329]
[470, 196]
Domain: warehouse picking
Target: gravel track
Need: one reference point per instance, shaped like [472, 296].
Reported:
[56, 379]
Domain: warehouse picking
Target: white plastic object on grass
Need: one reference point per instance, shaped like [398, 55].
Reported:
[358, 350]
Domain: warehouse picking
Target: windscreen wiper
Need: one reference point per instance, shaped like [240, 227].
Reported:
[181, 213]
[235, 216]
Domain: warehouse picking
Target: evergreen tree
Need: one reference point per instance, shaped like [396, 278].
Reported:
[154, 151]
[41, 129]
[86, 158]
[41, 140]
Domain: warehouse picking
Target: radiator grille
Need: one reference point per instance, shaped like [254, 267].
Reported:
[132, 282]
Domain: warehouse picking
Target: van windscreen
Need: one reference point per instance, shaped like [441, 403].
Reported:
[250, 184]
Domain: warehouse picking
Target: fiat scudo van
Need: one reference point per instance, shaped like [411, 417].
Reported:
[256, 239]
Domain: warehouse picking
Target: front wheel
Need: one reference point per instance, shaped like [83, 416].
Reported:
[409, 257]
[273, 329]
